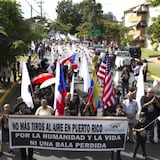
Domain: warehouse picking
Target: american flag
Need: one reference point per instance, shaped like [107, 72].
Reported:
[104, 73]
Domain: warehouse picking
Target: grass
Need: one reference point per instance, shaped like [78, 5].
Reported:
[153, 68]
[147, 52]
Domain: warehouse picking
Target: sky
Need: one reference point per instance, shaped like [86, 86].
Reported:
[117, 7]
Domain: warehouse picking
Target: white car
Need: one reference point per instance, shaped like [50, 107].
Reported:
[122, 59]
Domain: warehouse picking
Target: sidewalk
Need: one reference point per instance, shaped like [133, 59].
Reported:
[6, 89]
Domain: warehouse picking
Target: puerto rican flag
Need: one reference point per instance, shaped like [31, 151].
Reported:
[70, 59]
[60, 90]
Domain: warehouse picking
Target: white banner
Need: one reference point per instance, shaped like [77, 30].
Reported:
[68, 133]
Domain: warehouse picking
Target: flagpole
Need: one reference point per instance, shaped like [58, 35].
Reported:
[31, 89]
[150, 123]
[90, 96]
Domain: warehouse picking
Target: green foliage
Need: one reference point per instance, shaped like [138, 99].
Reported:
[17, 31]
[2, 31]
[68, 14]
[153, 32]
[58, 26]
[154, 3]
[84, 18]
[155, 70]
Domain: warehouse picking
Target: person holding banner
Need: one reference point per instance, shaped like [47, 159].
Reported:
[26, 153]
[4, 125]
[119, 112]
[141, 133]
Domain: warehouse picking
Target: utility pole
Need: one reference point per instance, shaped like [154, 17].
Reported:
[31, 10]
[40, 5]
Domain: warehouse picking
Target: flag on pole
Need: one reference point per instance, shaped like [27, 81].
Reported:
[33, 47]
[155, 83]
[101, 74]
[93, 94]
[116, 77]
[70, 59]
[84, 73]
[72, 87]
[25, 83]
[60, 90]
[140, 89]
[105, 74]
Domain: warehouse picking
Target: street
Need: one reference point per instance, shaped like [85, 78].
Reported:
[152, 149]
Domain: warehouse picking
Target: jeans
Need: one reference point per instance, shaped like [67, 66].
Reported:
[125, 87]
[143, 145]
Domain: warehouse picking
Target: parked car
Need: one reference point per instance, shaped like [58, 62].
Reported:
[135, 51]
[99, 48]
[123, 58]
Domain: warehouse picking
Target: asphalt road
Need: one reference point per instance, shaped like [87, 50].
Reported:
[152, 149]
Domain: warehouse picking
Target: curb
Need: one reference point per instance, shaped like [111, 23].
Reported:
[153, 76]
[5, 95]
[8, 91]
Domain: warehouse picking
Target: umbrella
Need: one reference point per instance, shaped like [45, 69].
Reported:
[41, 78]
[48, 82]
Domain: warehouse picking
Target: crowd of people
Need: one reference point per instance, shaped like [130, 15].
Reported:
[79, 105]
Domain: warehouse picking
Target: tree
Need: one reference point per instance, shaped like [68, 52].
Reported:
[86, 19]
[154, 3]
[2, 31]
[16, 29]
[68, 14]
[153, 32]
[58, 26]
[110, 16]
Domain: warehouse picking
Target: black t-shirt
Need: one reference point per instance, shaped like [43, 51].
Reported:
[141, 135]
[150, 110]
[73, 109]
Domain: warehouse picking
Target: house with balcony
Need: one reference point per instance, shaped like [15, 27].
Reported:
[139, 18]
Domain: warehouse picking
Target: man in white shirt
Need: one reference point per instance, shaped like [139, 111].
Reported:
[130, 108]
[44, 109]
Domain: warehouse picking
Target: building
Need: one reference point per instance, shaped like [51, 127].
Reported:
[139, 18]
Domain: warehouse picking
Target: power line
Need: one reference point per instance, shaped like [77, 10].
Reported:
[32, 7]
[39, 4]
[41, 8]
